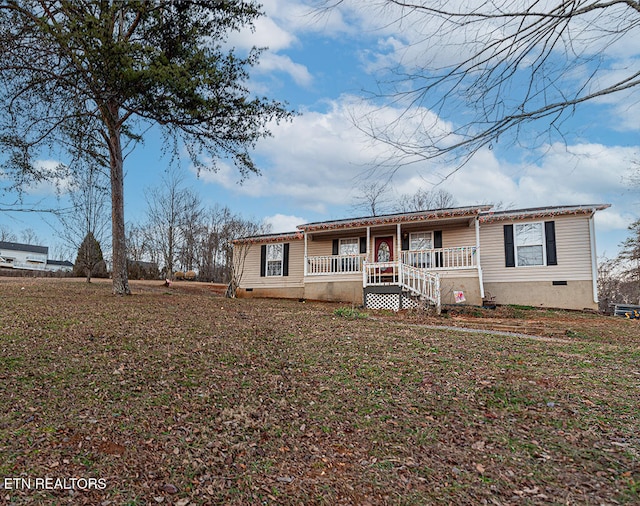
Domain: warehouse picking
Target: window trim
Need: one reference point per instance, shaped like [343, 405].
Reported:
[543, 242]
[428, 232]
[354, 240]
[280, 260]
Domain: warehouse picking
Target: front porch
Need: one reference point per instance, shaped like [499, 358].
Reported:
[411, 251]
[410, 282]
[433, 260]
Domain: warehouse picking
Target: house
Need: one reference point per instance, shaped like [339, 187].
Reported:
[23, 256]
[540, 257]
[59, 265]
[30, 257]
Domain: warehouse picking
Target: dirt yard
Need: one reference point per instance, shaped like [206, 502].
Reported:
[179, 396]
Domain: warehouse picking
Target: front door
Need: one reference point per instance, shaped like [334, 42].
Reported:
[384, 250]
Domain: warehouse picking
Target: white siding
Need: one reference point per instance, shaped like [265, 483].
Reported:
[572, 246]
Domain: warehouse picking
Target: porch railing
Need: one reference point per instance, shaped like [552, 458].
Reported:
[417, 280]
[334, 264]
[463, 257]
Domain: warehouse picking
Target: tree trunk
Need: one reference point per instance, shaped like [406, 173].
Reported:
[118, 242]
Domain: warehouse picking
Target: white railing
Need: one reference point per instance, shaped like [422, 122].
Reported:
[418, 281]
[334, 264]
[463, 257]
[381, 273]
[421, 282]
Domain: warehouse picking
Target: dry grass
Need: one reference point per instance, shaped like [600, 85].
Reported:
[179, 396]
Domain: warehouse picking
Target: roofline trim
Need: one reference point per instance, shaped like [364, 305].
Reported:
[540, 212]
[388, 219]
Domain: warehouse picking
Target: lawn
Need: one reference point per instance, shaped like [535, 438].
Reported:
[179, 396]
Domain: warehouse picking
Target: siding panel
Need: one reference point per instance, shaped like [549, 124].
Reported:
[251, 274]
[572, 248]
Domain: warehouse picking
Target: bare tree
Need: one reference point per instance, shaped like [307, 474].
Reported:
[238, 251]
[6, 235]
[169, 207]
[472, 74]
[424, 200]
[89, 215]
[29, 236]
[372, 198]
[138, 248]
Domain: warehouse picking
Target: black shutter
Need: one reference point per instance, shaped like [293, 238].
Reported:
[285, 259]
[509, 252]
[334, 250]
[550, 239]
[437, 239]
[405, 243]
[263, 260]
[363, 245]
[437, 244]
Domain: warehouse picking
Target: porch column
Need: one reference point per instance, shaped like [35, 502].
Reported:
[478, 257]
[398, 243]
[368, 257]
[305, 253]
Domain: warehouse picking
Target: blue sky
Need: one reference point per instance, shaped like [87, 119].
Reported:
[313, 168]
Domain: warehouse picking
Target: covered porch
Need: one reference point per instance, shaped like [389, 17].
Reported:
[412, 250]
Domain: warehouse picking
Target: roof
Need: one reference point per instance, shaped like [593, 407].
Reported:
[483, 212]
[61, 263]
[15, 246]
[541, 212]
[279, 237]
[388, 219]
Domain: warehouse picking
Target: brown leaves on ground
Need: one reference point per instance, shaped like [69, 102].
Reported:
[178, 396]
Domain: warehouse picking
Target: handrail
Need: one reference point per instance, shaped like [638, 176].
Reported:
[418, 281]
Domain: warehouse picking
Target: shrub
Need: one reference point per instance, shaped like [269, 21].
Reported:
[179, 275]
[350, 312]
[189, 275]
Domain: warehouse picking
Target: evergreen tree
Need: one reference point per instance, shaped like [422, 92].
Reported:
[89, 261]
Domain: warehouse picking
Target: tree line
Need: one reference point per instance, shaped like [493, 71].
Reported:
[619, 277]
[177, 234]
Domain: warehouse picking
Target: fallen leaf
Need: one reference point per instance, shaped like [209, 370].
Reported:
[478, 445]
[169, 488]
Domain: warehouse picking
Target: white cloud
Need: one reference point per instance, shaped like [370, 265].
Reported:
[271, 62]
[284, 222]
[56, 181]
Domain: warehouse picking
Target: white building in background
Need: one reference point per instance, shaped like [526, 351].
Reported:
[30, 257]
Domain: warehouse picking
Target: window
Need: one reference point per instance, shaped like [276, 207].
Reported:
[529, 244]
[274, 259]
[350, 247]
[418, 243]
